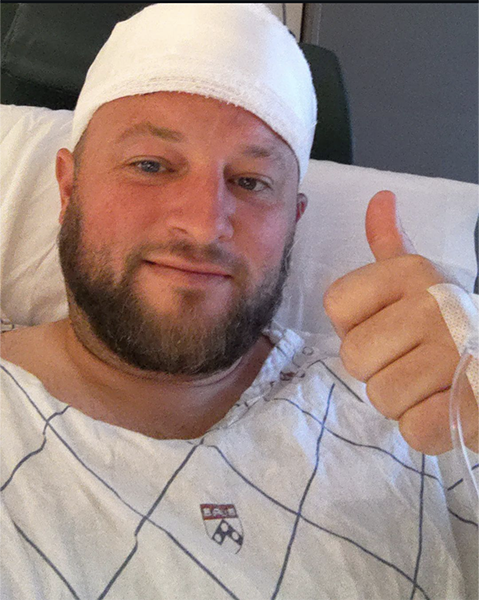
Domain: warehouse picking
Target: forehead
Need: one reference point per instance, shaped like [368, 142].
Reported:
[185, 118]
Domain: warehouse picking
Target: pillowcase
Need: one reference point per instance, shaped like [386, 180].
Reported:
[439, 216]
[32, 284]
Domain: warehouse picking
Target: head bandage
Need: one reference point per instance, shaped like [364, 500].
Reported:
[238, 53]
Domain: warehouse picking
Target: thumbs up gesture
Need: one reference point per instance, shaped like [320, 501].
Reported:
[394, 337]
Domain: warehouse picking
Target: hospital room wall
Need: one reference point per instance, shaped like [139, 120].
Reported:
[411, 72]
[293, 13]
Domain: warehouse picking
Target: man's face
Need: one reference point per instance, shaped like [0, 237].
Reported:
[176, 230]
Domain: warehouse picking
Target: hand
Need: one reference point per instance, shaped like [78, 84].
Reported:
[394, 337]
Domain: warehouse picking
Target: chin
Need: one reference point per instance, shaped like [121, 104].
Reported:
[189, 302]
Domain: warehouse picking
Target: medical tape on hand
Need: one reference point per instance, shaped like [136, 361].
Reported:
[460, 311]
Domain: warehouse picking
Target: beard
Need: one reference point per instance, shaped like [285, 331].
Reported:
[184, 343]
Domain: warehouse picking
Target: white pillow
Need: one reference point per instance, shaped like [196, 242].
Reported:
[439, 216]
[32, 285]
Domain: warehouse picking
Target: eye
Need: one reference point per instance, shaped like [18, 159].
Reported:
[149, 166]
[251, 184]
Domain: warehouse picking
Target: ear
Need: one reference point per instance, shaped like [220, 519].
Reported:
[65, 166]
[301, 204]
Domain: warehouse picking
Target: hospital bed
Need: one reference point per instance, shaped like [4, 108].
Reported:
[47, 49]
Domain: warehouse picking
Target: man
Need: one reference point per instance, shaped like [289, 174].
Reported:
[168, 440]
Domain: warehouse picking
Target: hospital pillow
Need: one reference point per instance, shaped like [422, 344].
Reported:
[439, 216]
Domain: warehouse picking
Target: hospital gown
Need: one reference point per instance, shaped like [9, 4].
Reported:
[303, 491]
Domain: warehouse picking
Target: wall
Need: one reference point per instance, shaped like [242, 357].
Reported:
[411, 71]
[294, 13]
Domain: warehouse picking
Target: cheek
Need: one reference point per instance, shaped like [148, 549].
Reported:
[111, 230]
[116, 218]
[268, 241]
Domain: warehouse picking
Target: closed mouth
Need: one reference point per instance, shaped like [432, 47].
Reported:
[201, 269]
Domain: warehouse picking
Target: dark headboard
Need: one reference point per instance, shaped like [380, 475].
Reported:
[48, 47]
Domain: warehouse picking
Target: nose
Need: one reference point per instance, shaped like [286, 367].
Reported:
[202, 209]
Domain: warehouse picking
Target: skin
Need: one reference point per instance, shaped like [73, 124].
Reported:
[198, 196]
[394, 337]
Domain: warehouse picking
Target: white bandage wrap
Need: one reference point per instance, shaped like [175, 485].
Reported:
[460, 311]
[238, 53]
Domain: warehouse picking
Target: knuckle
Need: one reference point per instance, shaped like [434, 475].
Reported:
[421, 434]
[429, 320]
[332, 300]
[417, 262]
[378, 391]
[428, 304]
[351, 357]
[422, 267]
[413, 435]
[420, 260]
[420, 310]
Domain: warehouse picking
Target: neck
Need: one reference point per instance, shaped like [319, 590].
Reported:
[83, 345]
[156, 404]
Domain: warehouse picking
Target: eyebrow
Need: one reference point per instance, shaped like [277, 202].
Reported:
[253, 151]
[148, 128]
[263, 152]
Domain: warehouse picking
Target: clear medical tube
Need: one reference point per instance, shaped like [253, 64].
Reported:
[458, 391]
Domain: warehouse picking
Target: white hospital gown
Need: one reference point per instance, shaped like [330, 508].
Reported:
[303, 491]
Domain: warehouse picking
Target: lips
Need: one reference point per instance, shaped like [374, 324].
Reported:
[194, 269]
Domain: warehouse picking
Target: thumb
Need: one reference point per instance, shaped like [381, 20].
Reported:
[384, 232]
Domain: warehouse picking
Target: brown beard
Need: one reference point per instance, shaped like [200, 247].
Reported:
[134, 331]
